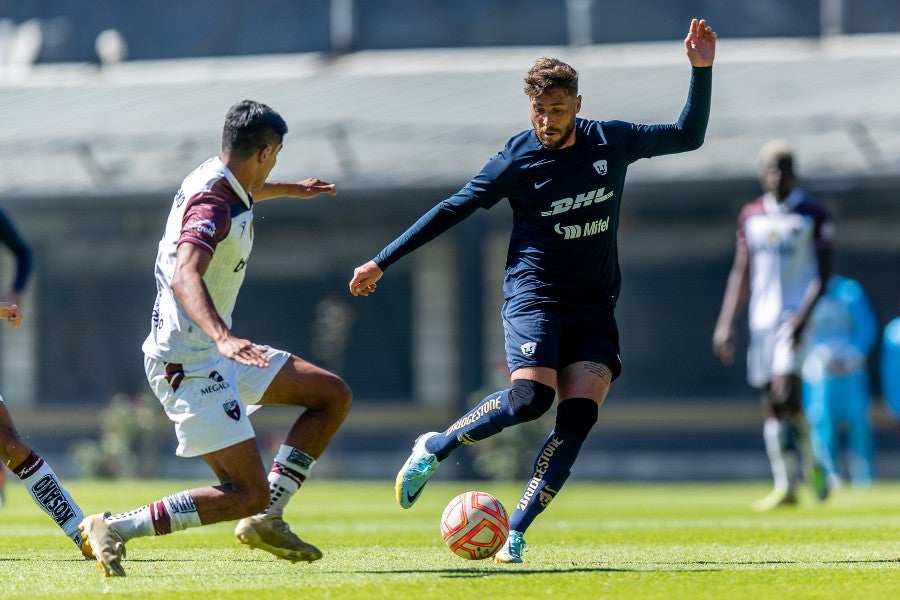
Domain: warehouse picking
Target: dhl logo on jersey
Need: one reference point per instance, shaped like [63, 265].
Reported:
[581, 200]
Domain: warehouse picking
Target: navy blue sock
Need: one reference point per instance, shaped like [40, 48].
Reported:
[574, 419]
[492, 415]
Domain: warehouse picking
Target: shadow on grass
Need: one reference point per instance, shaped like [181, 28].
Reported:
[490, 570]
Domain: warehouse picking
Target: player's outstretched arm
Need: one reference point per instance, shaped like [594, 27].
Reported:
[700, 44]
[308, 188]
[365, 278]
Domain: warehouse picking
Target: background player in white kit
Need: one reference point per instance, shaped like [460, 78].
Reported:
[206, 377]
[782, 261]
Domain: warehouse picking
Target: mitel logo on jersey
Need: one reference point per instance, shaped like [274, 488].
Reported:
[581, 200]
[600, 167]
[571, 232]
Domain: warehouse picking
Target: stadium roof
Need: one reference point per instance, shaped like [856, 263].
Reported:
[432, 118]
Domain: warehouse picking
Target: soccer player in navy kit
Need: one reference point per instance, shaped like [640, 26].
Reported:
[36, 474]
[38, 477]
[10, 237]
[564, 180]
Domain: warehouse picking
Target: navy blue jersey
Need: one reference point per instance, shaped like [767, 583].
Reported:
[565, 202]
[9, 236]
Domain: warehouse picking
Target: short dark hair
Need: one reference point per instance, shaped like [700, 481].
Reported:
[548, 73]
[777, 151]
[250, 126]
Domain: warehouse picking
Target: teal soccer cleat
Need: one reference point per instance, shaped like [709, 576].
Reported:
[416, 472]
[512, 549]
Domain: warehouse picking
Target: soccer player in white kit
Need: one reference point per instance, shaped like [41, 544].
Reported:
[782, 259]
[206, 377]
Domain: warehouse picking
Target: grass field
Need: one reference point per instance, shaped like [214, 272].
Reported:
[595, 541]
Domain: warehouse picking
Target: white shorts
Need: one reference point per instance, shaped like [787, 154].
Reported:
[771, 353]
[208, 401]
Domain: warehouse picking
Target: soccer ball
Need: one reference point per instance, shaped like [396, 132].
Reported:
[474, 525]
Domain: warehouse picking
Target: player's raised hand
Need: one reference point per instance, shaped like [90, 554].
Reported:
[11, 314]
[365, 278]
[308, 188]
[700, 44]
[313, 187]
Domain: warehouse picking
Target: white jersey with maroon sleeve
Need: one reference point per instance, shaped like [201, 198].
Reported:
[782, 240]
[212, 211]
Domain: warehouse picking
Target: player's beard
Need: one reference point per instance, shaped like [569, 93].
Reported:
[560, 141]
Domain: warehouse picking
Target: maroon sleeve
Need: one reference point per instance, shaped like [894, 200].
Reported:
[206, 221]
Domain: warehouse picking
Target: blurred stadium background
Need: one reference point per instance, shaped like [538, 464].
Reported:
[106, 105]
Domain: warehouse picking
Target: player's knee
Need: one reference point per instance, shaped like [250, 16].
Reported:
[530, 399]
[333, 397]
[577, 415]
[342, 398]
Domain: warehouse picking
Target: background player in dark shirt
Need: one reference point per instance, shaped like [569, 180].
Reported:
[564, 180]
[39, 479]
[9, 237]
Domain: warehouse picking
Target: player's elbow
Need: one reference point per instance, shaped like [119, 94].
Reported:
[695, 140]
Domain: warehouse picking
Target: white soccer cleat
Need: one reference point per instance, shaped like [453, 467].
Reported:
[416, 472]
[275, 536]
[102, 542]
[775, 499]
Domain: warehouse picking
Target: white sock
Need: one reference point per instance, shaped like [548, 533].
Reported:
[173, 513]
[45, 488]
[289, 470]
[775, 435]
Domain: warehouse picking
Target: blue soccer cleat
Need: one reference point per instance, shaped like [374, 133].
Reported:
[512, 549]
[416, 472]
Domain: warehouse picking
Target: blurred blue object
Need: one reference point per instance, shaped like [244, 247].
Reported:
[841, 333]
[890, 367]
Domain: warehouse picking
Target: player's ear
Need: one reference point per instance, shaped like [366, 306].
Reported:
[264, 153]
[577, 104]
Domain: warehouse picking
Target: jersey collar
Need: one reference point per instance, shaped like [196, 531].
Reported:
[235, 185]
[789, 204]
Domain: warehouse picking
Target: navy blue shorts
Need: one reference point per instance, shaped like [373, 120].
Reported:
[541, 332]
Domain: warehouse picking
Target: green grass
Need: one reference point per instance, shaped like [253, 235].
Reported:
[595, 541]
